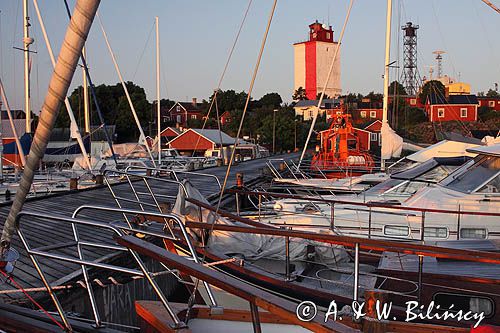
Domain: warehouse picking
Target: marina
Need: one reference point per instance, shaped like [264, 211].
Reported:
[329, 212]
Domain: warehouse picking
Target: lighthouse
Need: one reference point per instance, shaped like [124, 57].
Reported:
[312, 60]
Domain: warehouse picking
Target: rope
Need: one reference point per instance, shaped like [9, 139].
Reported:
[17, 285]
[223, 74]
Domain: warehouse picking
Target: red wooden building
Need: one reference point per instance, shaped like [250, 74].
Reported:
[374, 129]
[226, 118]
[181, 112]
[453, 108]
[200, 140]
[491, 102]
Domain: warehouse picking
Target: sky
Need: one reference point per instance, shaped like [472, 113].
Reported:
[196, 37]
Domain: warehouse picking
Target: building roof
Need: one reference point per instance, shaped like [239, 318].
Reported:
[213, 135]
[453, 99]
[188, 106]
[176, 131]
[326, 103]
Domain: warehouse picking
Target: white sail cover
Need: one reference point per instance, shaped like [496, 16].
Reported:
[392, 144]
[249, 246]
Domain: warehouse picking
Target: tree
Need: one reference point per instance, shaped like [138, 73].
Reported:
[492, 93]
[375, 97]
[432, 87]
[229, 100]
[396, 88]
[299, 94]
[271, 100]
[318, 96]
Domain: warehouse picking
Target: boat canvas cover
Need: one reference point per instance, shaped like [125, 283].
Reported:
[392, 144]
[128, 150]
[445, 148]
[248, 246]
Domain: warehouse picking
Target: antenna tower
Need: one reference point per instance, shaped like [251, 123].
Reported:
[410, 77]
[439, 60]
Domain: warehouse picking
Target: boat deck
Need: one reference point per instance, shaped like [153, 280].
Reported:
[42, 232]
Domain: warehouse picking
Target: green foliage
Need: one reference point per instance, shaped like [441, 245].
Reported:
[271, 100]
[492, 93]
[485, 113]
[115, 109]
[230, 100]
[299, 94]
[433, 87]
[396, 88]
[318, 96]
[375, 97]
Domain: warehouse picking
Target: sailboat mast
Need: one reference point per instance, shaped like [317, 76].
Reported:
[86, 113]
[27, 41]
[386, 69]
[158, 120]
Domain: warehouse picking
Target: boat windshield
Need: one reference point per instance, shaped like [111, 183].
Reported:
[383, 187]
[478, 176]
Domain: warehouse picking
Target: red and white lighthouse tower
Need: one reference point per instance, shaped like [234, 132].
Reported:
[312, 62]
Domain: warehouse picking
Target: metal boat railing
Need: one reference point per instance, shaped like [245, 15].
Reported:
[370, 207]
[356, 243]
[149, 207]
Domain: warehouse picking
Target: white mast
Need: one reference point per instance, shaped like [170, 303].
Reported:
[27, 41]
[386, 69]
[158, 89]
[13, 127]
[71, 115]
[118, 72]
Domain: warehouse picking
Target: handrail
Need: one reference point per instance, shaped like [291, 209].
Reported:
[278, 306]
[84, 263]
[365, 204]
[366, 243]
[175, 172]
[172, 217]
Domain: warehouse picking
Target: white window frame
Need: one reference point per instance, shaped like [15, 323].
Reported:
[491, 104]
[178, 108]
[413, 101]
[439, 113]
[179, 118]
[363, 114]
[373, 114]
[387, 233]
[462, 112]
[193, 116]
[373, 136]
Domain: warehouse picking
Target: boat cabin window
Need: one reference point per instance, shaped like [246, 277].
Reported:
[473, 233]
[493, 186]
[397, 230]
[384, 186]
[464, 303]
[407, 187]
[436, 232]
[470, 178]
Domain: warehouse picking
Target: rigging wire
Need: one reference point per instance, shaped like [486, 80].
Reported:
[228, 170]
[224, 72]
[143, 51]
[93, 94]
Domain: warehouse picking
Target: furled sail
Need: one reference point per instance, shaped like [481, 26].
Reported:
[392, 144]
